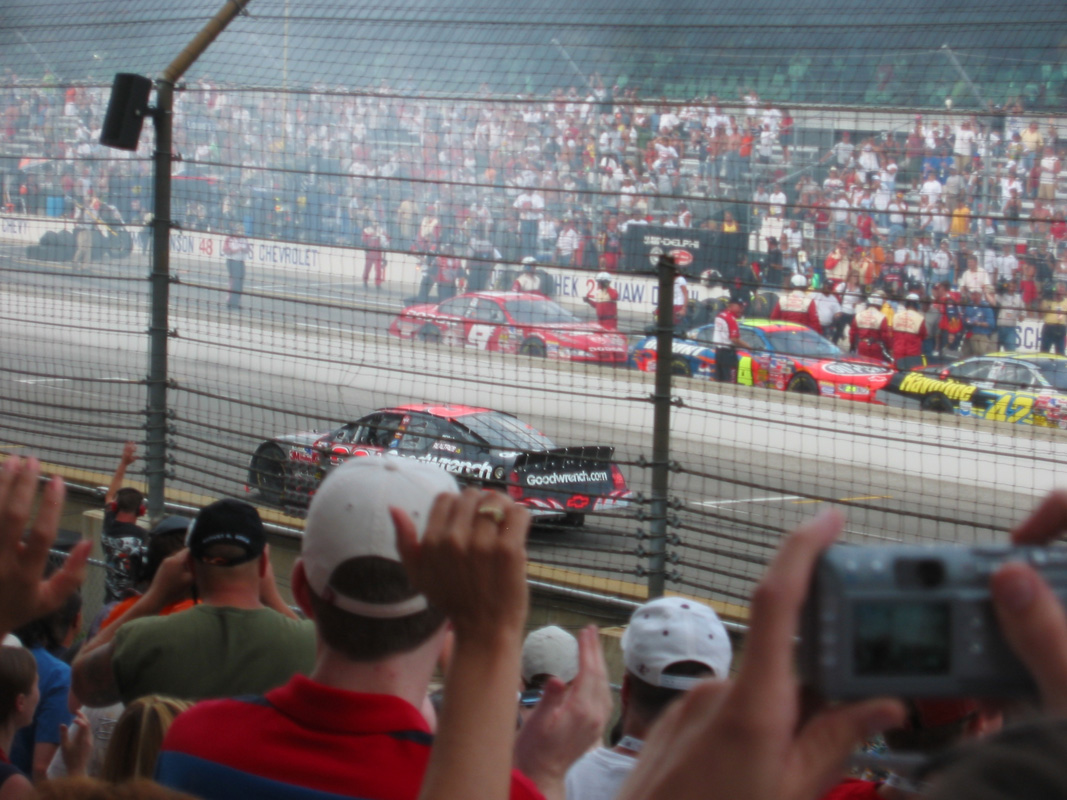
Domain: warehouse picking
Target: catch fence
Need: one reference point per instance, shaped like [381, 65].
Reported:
[328, 231]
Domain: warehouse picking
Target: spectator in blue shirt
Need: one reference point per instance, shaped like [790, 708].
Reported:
[980, 323]
[47, 639]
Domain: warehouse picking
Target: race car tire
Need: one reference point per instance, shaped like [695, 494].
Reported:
[936, 402]
[266, 474]
[716, 307]
[430, 334]
[532, 347]
[681, 368]
[803, 383]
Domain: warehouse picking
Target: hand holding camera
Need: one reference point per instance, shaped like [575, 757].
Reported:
[943, 621]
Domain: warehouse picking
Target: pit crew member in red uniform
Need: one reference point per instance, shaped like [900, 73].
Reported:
[727, 339]
[909, 329]
[604, 300]
[869, 333]
[529, 279]
[375, 241]
[798, 306]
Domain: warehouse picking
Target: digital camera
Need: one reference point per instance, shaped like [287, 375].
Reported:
[914, 621]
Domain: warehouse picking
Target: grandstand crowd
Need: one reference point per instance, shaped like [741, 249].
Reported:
[497, 180]
[408, 672]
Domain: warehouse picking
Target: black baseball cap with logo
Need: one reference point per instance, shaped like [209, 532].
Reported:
[230, 522]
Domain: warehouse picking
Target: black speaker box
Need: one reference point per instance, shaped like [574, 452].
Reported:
[126, 111]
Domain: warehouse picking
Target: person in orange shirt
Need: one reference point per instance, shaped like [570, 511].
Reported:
[167, 538]
[877, 256]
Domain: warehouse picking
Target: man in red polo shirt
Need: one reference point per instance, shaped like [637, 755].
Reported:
[357, 725]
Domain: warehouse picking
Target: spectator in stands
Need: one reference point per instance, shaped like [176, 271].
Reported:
[530, 205]
[1054, 316]
[19, 695]
[931, 728]
[973, 278]
[357, 716]
[979, 324]
[164, 540]
[1032, 140]
[138, 736]
[670, 646]
[1049, 172]
[549, 652]
[47, 639]
[121, 538]
[241, 638]
[24, 595]
[1011, 311]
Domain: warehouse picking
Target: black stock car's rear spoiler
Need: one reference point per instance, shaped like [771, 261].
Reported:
[593, 456]
[570, 478]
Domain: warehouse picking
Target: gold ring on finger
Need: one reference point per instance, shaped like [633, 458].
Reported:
[497, 514]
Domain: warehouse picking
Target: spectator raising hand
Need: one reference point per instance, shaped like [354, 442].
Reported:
[24, 596]
[569, 720]
[743, 740]
[471, 565]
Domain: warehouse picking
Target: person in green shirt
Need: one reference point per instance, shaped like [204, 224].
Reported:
[241, 639]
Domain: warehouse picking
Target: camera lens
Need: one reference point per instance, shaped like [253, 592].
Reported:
[930, 573]
[919, 573]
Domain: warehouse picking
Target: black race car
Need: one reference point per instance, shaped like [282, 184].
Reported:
[477, 445]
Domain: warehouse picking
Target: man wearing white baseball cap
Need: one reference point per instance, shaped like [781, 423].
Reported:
[548, 652]
[354, 726]
[670, 645]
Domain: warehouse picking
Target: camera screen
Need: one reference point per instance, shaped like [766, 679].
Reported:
[892, 638]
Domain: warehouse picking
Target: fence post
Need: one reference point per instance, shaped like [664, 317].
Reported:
[661, 429]
[156, 427]
[159, 327]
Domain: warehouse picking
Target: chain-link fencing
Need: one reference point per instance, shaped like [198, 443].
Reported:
[357, 197]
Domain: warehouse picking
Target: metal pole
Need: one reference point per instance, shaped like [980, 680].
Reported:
[158, 331]
[661, 429]
[156, 427]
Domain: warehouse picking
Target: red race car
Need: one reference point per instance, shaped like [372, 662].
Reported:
[778, 355]
[511, 322]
